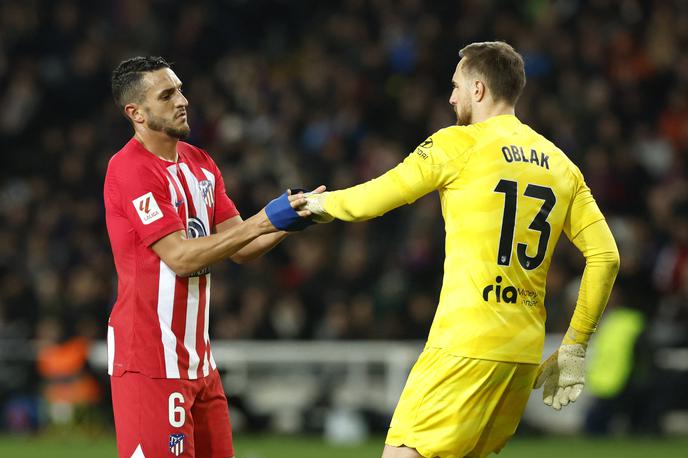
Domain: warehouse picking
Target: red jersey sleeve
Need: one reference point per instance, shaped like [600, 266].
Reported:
[147, 204]
[224, 207]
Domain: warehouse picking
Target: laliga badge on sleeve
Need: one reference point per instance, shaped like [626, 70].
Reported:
[147, 208]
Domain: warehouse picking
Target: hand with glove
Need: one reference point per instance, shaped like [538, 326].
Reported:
[563, 373]
[288, 212]
[315, 205]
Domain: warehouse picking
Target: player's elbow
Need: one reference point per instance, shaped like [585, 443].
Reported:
[181, 268]
[182, 265]
[607, 260]
[239, 258]
[180, 255]
[615, 261]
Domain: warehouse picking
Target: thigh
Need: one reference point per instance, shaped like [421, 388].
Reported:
[507, 412]
[422, 413]
[152, 416]
[447, 403]
[212, 427]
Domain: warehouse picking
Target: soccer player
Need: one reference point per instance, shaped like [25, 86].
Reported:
[169, 218]
[507, 193]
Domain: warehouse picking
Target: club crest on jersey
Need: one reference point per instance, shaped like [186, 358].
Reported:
[147, 208]
[176, 444]
[207, 190]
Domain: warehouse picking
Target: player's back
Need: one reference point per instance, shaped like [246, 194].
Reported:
[503, 214]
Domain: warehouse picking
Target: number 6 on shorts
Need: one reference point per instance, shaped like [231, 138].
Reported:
[176, 411]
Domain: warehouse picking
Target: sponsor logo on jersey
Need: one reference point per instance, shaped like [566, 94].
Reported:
[147, 208]
[176, 444]
[506, 294]
[427, 144]
[207, 190]
[509, 294]
[194, 229]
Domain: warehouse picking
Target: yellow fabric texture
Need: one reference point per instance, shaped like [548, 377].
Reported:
[506, 193]
[596, 242]
[455, 407]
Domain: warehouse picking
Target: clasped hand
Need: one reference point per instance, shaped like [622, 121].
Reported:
[291, 211]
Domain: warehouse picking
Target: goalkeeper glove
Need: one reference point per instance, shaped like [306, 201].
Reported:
[315, 204]
[283, 216]
[563, 375]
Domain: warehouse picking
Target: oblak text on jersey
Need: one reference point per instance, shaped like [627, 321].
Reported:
[513, 153]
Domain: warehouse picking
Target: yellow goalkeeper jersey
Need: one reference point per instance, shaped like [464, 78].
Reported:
[506, 193]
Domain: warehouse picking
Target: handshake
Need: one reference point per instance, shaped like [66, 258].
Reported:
[297, 209]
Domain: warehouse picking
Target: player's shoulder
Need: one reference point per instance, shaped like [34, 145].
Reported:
[454, 136]
[134, 164]
[121, 162]
[447, 144]
[555, 150]
[194, 152]
[561, 162]
[129, 157]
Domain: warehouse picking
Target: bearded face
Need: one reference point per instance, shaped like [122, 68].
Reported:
[176, 127]
[464, 113]
[163, 104]
[460, 99]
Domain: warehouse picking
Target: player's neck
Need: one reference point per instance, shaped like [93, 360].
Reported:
[485, 113]
[158, 144]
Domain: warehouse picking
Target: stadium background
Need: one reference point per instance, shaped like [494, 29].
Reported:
[286, 93]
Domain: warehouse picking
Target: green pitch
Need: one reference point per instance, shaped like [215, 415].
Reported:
[305, 447]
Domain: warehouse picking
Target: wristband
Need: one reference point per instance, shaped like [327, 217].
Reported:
[283, 216]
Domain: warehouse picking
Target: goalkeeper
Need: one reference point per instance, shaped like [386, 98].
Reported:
[507, 193]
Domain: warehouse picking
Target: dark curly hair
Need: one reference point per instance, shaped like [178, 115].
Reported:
[126, 79]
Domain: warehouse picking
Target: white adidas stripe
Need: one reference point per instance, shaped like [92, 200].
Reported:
[191, 326]
[166, 288]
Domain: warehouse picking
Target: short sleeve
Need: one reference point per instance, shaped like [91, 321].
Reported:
[147, 204]
[583, 210]
[224, 206]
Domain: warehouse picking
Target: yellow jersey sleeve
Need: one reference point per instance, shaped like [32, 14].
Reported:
[433, 164]
[597, 244]
[583, 210]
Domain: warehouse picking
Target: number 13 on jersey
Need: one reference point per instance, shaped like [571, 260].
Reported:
[539, 223]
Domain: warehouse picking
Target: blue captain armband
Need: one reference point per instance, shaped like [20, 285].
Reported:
[283, 216]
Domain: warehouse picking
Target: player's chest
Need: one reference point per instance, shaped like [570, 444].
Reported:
[192, 193]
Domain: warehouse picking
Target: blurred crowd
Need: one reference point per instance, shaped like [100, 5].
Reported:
[285, 94]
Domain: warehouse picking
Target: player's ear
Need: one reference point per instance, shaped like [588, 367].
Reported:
[133, 112]
[478, 90]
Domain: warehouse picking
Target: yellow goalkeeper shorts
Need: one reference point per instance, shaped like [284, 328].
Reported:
[456, 407]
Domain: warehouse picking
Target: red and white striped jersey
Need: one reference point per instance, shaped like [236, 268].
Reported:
[159, 323]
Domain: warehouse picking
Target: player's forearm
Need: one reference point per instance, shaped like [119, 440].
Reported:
[601, 266]
[192, 255]
[367, 200]
[258, 247]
